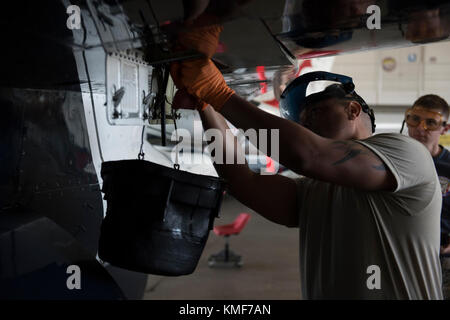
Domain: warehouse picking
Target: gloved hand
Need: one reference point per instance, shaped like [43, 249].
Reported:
[203, 39]
[200, 37]
[200, 77]
[203, 80]
[184, 100]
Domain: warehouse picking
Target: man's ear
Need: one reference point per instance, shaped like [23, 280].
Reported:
[353, 110]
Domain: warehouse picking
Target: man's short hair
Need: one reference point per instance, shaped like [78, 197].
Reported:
[432, 101]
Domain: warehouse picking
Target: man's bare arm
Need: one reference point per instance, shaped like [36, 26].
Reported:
[345, 163]
[272, 196]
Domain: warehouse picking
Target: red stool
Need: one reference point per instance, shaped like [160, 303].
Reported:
[226, 257]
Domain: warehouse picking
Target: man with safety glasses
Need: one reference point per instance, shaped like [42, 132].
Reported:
[368, 207]
[427, 121]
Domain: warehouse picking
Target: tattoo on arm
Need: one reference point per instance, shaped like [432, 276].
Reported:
[352, 150]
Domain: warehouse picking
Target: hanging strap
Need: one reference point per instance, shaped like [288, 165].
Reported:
[141, 153]
[176, 165]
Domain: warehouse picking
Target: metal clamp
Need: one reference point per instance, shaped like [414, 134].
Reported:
[117, 98]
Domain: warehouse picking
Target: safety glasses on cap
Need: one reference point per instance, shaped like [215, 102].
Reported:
[429, 120]
[293, 99]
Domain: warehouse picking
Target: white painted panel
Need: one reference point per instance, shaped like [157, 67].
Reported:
[400, 86]
[437, 70]
[411, 78]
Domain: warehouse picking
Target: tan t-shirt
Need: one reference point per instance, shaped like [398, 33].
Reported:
[350, 239]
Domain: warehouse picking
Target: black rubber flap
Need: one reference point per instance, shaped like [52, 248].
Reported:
[158, 219]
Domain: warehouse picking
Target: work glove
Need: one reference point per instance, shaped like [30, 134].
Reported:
[184, 100]
[200, 37]
[200, 77]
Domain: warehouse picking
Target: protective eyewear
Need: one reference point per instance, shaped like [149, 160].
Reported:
[429, 120]
[293, 100]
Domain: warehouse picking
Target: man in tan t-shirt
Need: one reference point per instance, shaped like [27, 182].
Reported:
[368, 210]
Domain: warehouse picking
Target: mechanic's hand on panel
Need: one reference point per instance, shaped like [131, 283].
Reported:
[184, 100]
[203, 80]
[200, 77]
[200, 37]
